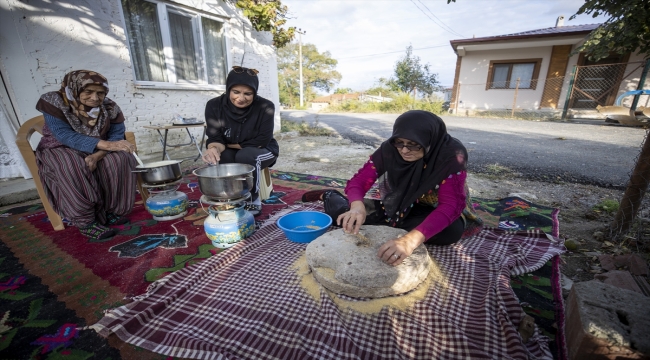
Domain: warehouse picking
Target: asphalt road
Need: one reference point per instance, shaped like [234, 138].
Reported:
[588, 152]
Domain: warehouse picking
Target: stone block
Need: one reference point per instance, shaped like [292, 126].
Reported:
[348, 264]
[607, 322]
[619, 278]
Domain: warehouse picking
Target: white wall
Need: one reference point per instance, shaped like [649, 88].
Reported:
[41, 41]
[474, 75]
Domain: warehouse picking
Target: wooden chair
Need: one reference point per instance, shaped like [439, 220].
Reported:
[25, 132]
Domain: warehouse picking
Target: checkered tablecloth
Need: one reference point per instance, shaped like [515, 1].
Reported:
[247, 303]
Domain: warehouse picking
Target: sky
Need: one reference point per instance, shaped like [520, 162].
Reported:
[368, 37]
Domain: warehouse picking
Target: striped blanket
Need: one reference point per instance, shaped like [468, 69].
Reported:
[248, 303]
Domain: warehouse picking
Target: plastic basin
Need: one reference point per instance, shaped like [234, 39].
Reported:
[304, 226]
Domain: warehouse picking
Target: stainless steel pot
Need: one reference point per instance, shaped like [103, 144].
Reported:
[225, 181]
[159, 172]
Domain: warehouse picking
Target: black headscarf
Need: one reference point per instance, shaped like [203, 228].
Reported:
[401, 182]
[229, 109]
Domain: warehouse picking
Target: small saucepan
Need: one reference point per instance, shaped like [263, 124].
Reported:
[159, 172]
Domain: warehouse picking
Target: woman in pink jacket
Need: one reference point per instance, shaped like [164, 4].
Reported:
[421, 173]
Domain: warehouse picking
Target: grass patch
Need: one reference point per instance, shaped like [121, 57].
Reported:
[311, 159]
[498, 170]
[608, 205]
[399, 104]
[303, 128]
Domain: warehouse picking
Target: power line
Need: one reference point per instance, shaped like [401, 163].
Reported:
[450, 30]
[445, 25]
[392, 52]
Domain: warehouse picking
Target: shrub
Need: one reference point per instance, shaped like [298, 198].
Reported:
[303, 128]
[608, 205]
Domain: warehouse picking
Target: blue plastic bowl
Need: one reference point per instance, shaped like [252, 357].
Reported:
[304, 226]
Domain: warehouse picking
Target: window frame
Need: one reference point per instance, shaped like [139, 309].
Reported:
[533, 81]
[173, 82]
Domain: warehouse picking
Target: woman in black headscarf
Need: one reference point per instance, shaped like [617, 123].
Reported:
[240, 128]
[421, 171]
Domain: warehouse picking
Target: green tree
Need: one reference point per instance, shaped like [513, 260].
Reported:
[268, 15]
[390, 84]
[343, 91]
[381, 87]
[626, 30]
[318, 73]
[411, 75]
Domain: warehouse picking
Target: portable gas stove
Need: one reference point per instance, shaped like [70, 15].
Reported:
[165, 202]
[228, 222]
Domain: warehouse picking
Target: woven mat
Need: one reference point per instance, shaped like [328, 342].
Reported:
[539, 292]
[249, 303]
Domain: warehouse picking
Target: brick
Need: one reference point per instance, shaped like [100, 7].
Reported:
[606, 322]
[619, 278]
[638, 265]
[607, 262]
[622, 260]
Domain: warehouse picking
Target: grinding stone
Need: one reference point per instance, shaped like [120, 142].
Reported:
[345, 264]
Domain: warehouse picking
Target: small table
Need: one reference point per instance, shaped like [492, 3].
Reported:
[163, 138]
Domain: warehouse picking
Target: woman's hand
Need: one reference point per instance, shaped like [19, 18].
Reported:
[393, 252]
[352, 220]
[121, 145]
[211, 156]
[234, 146]
[93, 159]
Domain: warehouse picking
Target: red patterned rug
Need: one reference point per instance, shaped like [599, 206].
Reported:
[85, 278]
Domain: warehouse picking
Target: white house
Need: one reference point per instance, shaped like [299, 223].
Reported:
[487, 70]
[160, 57]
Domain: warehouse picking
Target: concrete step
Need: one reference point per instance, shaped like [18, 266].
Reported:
[17, 190]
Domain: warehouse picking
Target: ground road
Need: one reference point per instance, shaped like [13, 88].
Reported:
[589, 152]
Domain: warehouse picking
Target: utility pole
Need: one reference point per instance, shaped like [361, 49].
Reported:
[300, 33]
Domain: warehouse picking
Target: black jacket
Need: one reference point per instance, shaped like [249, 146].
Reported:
[255, 130]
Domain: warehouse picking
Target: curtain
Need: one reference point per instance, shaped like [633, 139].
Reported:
[180, 28]
[215, 57]
[145, 40]
[500, 78]
[11, 162]
[523, 72]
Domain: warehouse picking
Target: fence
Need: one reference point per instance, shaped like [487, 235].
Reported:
[577, 95]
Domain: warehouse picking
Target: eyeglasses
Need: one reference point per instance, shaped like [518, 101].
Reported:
[239, 70]
[400, 145]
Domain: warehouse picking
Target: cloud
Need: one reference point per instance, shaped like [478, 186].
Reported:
[359, 33]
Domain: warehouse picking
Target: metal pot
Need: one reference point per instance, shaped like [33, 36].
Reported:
[159, 172]
[225, 181]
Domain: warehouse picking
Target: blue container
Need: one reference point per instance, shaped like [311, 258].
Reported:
[304, 226]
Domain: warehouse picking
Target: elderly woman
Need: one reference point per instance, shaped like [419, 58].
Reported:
[421, 171]
[240, 128]
[83, 160]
